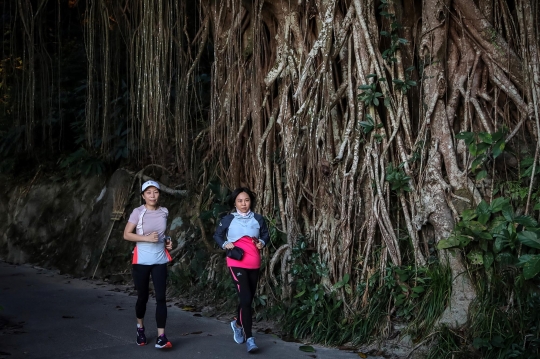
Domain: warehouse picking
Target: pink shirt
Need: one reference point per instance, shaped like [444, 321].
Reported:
[252, 257]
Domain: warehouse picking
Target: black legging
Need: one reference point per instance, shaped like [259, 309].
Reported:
[141, 277]
[245, 281]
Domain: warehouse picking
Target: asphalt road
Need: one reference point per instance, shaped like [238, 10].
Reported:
[47, 315]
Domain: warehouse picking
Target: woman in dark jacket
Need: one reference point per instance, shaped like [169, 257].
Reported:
[245, 230]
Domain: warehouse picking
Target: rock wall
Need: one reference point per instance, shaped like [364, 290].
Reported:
[64, 224]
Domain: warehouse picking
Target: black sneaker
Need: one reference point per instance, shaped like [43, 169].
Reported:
[162, 342]
[141, 338]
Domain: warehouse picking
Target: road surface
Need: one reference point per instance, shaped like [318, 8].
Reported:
[48, 315]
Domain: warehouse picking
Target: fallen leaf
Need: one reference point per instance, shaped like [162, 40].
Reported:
[196, 332]
[68, 316]
[307, 348]
[362, 355]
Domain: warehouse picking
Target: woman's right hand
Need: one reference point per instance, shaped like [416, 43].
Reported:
[229, 246]
[152, 237]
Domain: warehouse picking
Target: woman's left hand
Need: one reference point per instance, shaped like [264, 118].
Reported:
[168, 244]
[258, 243]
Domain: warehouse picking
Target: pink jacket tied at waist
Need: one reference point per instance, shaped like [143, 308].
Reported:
[252, 257]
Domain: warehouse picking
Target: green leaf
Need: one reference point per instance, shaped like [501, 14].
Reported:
[219, 209]
[488, 260]
[499, 244]
[418, 289]
[497, 150]
[485, 235]
[367, 126]
[473, 149]
[497, 341]
[468, 215]
[476, 257]
[482, 148]
[480, 343]
[476, 227]
[464, 240]
[477, 161]
[468, 137]
[497, 136]
[498, 204]
[481, 175]
[485, 137]
[536, 207]
[532, 267]
[307, 348]
[505, 258]
[526, 221]
[206, 215]
[508, 213]
[484, 212]
[529, 238]
[451, 242]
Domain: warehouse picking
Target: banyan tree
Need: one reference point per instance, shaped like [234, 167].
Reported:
[388, 141]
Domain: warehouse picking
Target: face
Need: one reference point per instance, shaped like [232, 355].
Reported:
[151, 196]
[242, 202]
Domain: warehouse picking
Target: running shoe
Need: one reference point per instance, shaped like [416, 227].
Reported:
[141, 338]
[238, 333]
[250, 345]
[162, 342]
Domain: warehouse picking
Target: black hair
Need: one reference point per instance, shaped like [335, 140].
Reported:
[236, 192]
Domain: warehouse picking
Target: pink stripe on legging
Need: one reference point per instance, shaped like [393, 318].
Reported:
[238, 285]
[236, 279]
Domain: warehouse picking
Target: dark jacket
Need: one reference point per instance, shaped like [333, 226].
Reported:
[220, 236]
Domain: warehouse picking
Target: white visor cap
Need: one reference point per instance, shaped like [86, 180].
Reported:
[150, 184]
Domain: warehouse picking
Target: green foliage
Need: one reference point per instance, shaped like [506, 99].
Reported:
[481, 145]
[493, 234]
[502, 250]
[369, 125]
[218, 206]
[82, 162]
[428, 293]
[526, 166]
[395, 41]
[314, 310]
[419, 296]
[370, 96]
[498, 328]
[407, 84]
[450, 344]
[397, 178]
